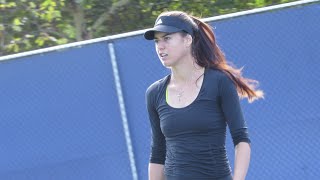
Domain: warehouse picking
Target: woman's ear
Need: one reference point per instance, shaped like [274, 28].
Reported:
[188, 40]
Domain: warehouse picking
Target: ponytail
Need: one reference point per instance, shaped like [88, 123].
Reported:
[208, 54]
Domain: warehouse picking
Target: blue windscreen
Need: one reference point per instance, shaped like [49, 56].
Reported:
[60, 115]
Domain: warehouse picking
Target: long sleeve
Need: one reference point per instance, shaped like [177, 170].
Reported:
[232, 111]
[158, 143]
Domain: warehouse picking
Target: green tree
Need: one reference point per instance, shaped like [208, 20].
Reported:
[27, 25]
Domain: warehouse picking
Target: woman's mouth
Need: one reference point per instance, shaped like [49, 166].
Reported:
[162, 55]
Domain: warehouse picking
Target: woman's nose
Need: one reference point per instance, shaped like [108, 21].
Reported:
[160, 45]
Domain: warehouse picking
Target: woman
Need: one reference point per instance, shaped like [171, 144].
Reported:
[190, 108]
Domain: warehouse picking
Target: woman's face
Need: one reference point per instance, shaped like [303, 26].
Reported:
[171, 48]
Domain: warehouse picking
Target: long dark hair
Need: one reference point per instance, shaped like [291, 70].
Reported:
[208, 55]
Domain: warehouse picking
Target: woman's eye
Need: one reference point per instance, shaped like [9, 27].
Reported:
[167, 38]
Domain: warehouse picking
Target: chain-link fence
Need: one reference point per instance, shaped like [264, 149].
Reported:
[79, 113]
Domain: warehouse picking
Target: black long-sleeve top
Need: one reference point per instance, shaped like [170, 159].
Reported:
[190, 141]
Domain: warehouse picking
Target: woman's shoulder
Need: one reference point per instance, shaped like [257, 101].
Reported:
[157, 85]
[216, 74]
[224, 83]
[219, 79]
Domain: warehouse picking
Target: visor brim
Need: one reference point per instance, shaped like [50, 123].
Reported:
[149, 35]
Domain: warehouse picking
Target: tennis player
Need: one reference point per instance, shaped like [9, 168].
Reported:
[190, 109]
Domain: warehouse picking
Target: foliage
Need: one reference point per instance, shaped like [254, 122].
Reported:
[27, 25]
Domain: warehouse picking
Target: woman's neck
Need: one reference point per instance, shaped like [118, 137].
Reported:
[188, 71]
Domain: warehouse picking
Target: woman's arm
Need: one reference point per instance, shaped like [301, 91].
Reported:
[233, 113]
[158, 142]
[156, 171]
[242, 159]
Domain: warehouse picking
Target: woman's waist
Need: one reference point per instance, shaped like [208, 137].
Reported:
[193, 166]
[175, 177]
[188, 155]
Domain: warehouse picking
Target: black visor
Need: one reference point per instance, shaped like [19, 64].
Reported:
[169, 24]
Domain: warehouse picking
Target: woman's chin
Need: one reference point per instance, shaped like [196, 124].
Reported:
[166, 64]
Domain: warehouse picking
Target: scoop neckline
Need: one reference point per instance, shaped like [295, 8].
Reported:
[198, 95]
